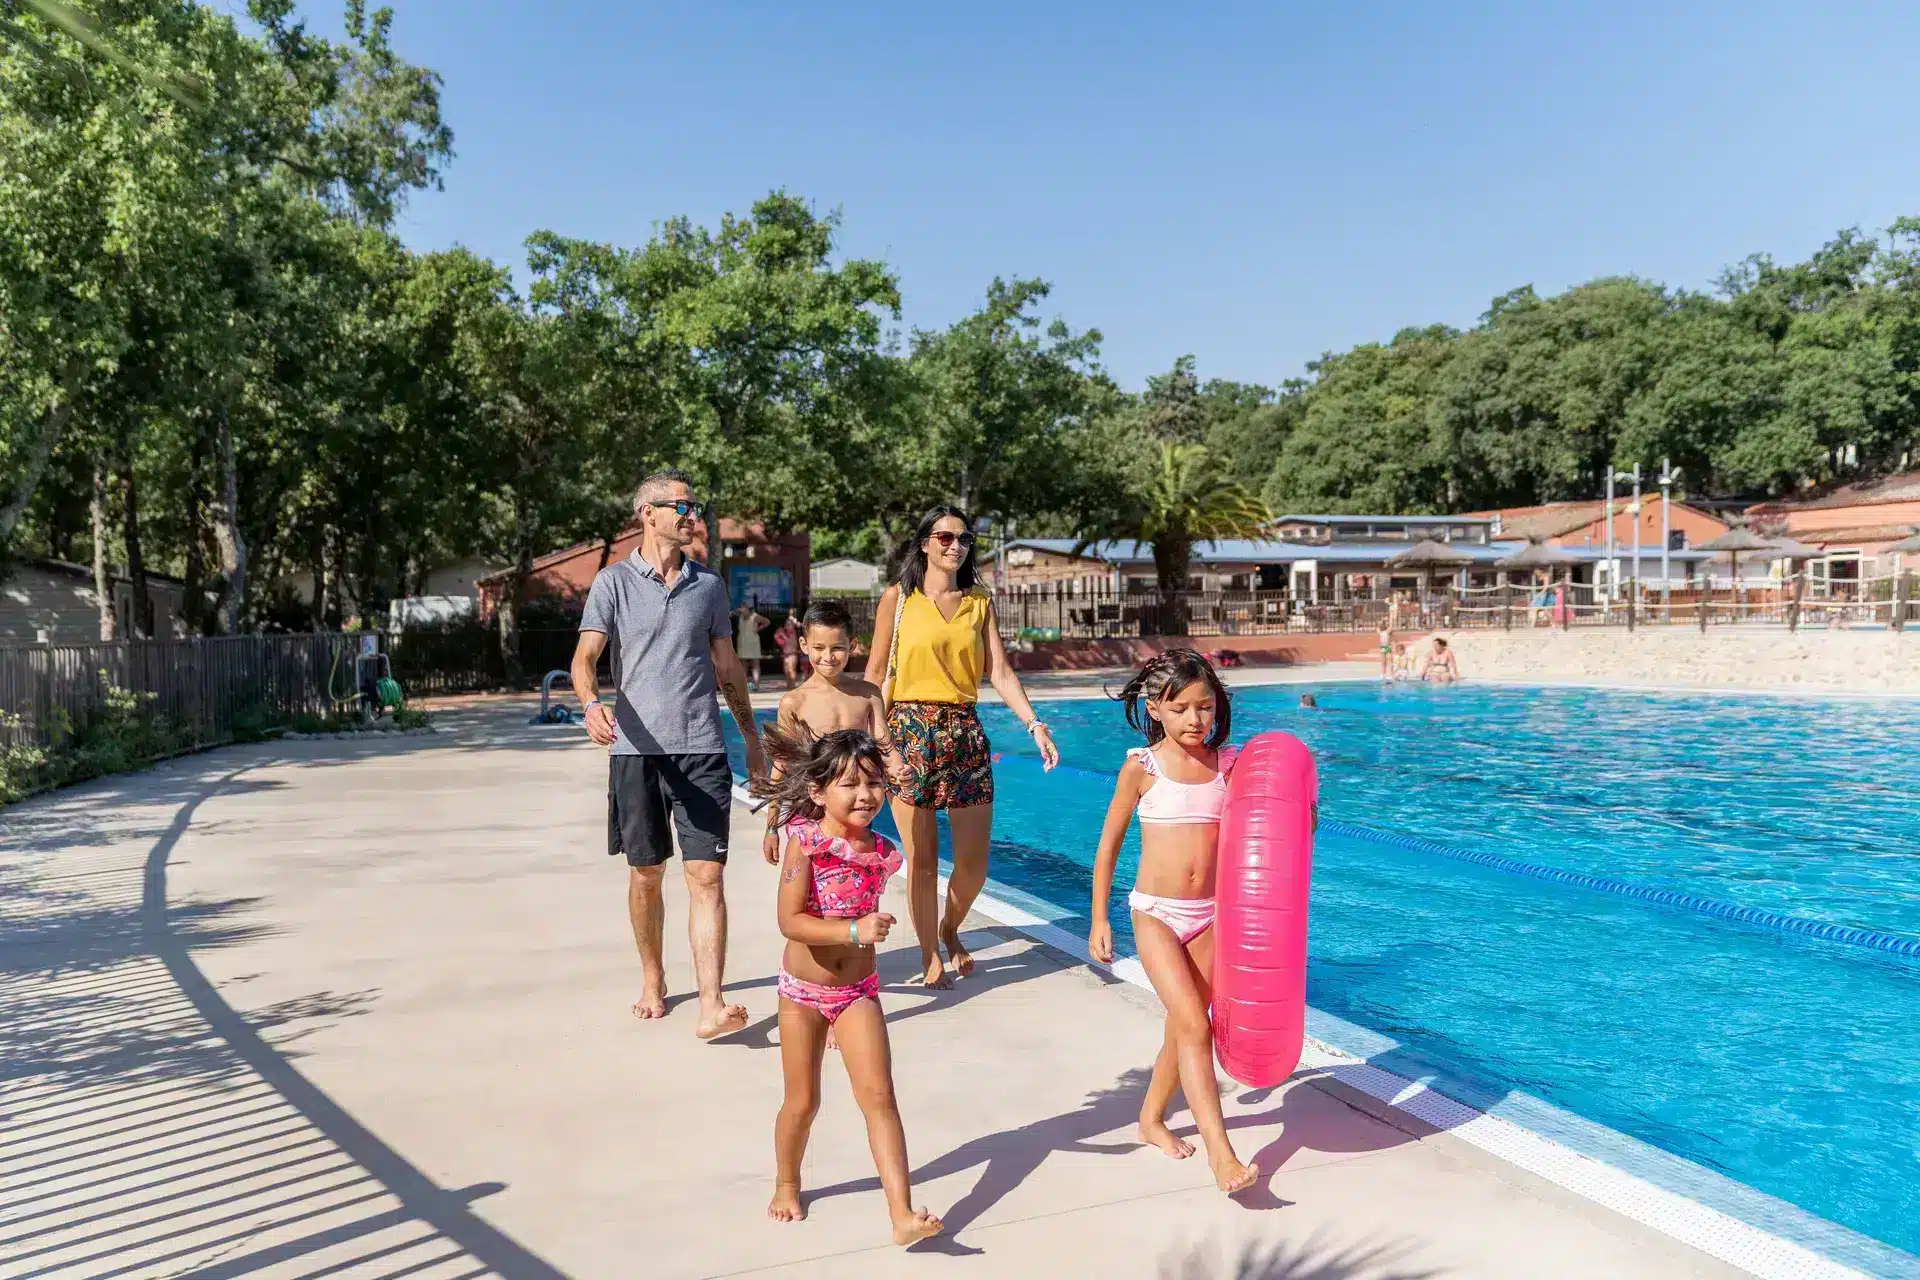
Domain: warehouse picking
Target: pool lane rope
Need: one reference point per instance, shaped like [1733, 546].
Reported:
[1847, 935]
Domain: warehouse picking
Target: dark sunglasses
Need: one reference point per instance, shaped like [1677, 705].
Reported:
[946, 538]
[682, 507]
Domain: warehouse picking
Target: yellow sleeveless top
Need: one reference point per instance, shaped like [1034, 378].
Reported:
[940, 660]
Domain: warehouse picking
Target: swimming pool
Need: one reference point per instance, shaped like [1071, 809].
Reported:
[1783, 1061]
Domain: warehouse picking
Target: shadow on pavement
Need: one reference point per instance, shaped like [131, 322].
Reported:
[1314, 1259]
[146, 1126]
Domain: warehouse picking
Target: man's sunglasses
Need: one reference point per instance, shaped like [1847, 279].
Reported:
[946, 538]
[682, 507]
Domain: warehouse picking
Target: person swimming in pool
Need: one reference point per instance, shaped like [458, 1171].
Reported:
[1178, 785]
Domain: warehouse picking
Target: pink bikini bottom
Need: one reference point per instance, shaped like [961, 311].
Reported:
[831, 1002]
[1187, 917]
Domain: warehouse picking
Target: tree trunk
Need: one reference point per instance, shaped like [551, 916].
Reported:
[140, 610]
[1172, 556]
[193, 601]
[102, 580]
[224, 514]
[53, 425]
[514, 591]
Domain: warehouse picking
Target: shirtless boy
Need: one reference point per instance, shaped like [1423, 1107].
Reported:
[830, 699]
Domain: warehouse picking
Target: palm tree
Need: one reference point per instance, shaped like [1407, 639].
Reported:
[1189, 499]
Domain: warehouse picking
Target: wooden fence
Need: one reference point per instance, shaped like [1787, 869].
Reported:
[204, 684]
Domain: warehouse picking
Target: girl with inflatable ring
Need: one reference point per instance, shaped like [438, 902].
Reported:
[1178, 785]
[934, 639]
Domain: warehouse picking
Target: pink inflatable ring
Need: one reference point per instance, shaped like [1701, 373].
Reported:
[1260, 932]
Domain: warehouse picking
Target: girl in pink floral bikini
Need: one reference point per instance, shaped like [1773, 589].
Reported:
[833, 871]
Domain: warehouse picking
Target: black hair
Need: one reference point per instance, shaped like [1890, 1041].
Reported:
[913, 560]
[801, 762]
[826, 613]
[1166, 676]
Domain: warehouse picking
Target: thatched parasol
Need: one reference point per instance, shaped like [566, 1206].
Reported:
[1907, 545]
[1791, 549]
[1741, 540]
[1426, 556]
[1536, 555]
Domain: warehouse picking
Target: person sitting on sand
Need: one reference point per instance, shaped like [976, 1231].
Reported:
[1441, 667]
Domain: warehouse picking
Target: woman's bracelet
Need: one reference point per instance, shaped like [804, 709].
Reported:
[1035, 725]
[853, 932]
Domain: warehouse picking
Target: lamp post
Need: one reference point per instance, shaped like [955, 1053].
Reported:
[1613, 474]
[1666, 541]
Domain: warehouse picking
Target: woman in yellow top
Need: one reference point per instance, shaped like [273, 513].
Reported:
[933, 639]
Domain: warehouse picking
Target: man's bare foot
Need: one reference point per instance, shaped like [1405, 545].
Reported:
[786, 1206]
[935, 976]
[728, 1020]
[651, 1004]
[1234, 1177]
[915, 1227]
[1156, 1134]
[961, 957]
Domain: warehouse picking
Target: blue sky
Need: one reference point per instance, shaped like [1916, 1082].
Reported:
[1253, 184]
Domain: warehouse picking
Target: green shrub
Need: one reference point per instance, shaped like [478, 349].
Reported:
[411, 718]
[256, 724]
[22, 766]
[308, 722]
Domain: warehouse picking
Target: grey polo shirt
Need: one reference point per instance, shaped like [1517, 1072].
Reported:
[662, 660]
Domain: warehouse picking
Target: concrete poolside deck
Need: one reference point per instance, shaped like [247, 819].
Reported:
[360, 1009]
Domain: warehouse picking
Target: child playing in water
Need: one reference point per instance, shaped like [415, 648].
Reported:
[1178, 784]
[832, 875]
[829, 699]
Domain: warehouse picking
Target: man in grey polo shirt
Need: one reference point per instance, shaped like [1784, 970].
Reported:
[672, 644]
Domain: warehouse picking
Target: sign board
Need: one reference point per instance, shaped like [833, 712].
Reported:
[765, 586]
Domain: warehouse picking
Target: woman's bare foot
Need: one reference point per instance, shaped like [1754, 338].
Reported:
[935, 976]
[1156, 1134]
[915, 1227]
[832, 1042]
[1234, 1177]
[723, 1022]
[651, 1004]
[786, 1206]
[961, 957]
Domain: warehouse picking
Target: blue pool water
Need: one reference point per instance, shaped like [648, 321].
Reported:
[1788, 1063]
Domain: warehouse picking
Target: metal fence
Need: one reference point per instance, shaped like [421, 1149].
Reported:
[203, 684]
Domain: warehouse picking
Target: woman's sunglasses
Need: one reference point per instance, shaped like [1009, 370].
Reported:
[946, 538]
[682, 507]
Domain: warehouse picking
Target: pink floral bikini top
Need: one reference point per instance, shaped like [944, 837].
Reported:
[847, 883]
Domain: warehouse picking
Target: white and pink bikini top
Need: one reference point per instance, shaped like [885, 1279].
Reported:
[1167, 801]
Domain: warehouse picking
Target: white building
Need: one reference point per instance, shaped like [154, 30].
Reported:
[844, 576]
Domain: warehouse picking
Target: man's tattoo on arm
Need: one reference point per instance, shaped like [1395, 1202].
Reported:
[742, 708]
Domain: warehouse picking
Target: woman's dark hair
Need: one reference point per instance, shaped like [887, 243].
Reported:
[913, 561]
[801, 762]
[826, 613]
[1166, 676]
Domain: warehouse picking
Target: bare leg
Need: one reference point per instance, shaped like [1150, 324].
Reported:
[920, 833]
[1159, 1101]
[707, 929]
[972, 835]
[869, 1058]
[802, 1030]
[1181, 988]
[647, 913]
